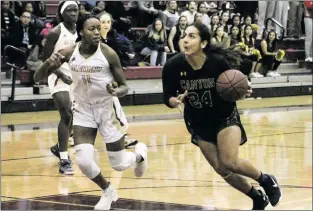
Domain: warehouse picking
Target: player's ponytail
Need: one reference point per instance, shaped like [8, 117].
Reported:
[231, 57]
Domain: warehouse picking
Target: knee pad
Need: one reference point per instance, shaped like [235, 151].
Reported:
[85, 160]
[121, 160]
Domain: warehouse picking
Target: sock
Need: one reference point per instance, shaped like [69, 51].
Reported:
[254, 193]
[64, 155]
[262, 179]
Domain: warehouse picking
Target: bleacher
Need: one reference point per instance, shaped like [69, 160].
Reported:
[146, 86]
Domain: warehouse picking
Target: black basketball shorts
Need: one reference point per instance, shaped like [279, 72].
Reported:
[208, 130]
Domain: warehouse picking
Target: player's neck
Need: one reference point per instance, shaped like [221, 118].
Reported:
[197, 60]
[87, 49]
[70, 26]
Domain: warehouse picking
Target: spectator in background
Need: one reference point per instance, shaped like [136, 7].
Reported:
[17, 8]
[249, 8]
[220, 38]
[235, 36]
[266, 10]
[34, 19]
[176, 33]
[120, 21]
[40, 9]
[202, 8]
[224, 21]
[308, 23]
[247, 21]
[215, 22]
[191, 12]
[235, 21]
[295, 17]
[156, 43]
[7, 22]
[198, 18]
[269, 54]
[281, 15]
[159, 5]
[23, 34]
[170, 15]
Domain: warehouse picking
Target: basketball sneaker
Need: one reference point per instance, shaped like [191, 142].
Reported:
[55, 150]
[66, 167]
[109, 195]
[129, 143]
[261, 202]
[272, 190]
[142, 166]
[71, 140]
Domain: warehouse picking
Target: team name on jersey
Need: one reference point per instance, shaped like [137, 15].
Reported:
[69, 42]
[197, 84]
[86, 69]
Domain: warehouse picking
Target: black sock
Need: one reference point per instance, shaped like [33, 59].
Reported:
[262, 179]
[254, 193]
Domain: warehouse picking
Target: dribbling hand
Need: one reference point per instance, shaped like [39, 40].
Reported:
[111, 88]
[176, 101]
[249, 91]
[55, 60]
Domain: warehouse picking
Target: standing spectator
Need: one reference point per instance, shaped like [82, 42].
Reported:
[170, 15]
[281, 15]
[120, 21]
[308, 20]
[40, 9]
[7, 22]
[156, 43]
[295, 17]
[266, 10]
[191, 12]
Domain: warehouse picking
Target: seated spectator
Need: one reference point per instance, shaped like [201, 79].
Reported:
[220, 38]
[7, 22]
[202, 8]
[23, 34]
[40, 9]
[34, 19]
[191, 12]
[215, 22]
[224, 21]
[247, 21]
[235, 21]
[198, 18]
[171, 15]
[251, 52]
[235, 36]
[109, 36]
[176, 33]
[155, 41]
[270, 60]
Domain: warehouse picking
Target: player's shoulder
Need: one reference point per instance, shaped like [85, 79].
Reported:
[108, 52]
[55, 32]
[68, 51]
[178, 59]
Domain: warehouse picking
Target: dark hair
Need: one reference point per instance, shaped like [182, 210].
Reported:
[268, 38]
[239, 33]
[81, 22]
[231, 57]
[235, 16]
[199, 4]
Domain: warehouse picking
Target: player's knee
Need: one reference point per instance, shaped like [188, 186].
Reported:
[67, 116]
[229, 164]
[121, 160]
[85, 161]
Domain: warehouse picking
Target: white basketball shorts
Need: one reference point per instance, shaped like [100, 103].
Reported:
[102, 116]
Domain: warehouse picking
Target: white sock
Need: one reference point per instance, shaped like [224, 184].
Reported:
[64, 155]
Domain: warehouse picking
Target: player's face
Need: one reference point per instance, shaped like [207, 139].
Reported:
[91, 31]
[70, 14]
[106, 23]
[191, 41]
[235, 31]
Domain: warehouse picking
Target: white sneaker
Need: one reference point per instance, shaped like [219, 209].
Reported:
[141, 167]
[259, 75]
[270, 74]
[253, 75]
[71, 141]
[108, 196]
[276, 73]
[309, 59]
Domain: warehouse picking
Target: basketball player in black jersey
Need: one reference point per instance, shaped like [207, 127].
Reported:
[68, 17]
[213, 123]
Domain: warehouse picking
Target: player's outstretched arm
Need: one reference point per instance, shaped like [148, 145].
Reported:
[117, 71]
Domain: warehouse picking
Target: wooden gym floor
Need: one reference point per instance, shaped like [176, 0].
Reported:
[178, 177]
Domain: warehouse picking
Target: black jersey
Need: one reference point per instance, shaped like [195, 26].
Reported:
[203, 101]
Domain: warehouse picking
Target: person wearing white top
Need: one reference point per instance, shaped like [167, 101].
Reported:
[191, 12]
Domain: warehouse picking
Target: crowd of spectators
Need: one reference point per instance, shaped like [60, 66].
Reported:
[238, 25]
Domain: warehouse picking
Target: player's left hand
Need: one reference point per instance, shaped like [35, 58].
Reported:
[249, 91]
[111, 88]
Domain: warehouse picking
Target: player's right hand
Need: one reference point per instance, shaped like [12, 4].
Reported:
[176, 101]
[67, 79]
[55, 60]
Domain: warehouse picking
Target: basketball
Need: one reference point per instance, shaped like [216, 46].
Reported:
[232, 85]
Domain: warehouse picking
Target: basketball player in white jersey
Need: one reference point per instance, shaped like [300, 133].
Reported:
[61, 36]
[95, 66]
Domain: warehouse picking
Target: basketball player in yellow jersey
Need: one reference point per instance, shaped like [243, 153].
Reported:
[95, 66]
[59, 82]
